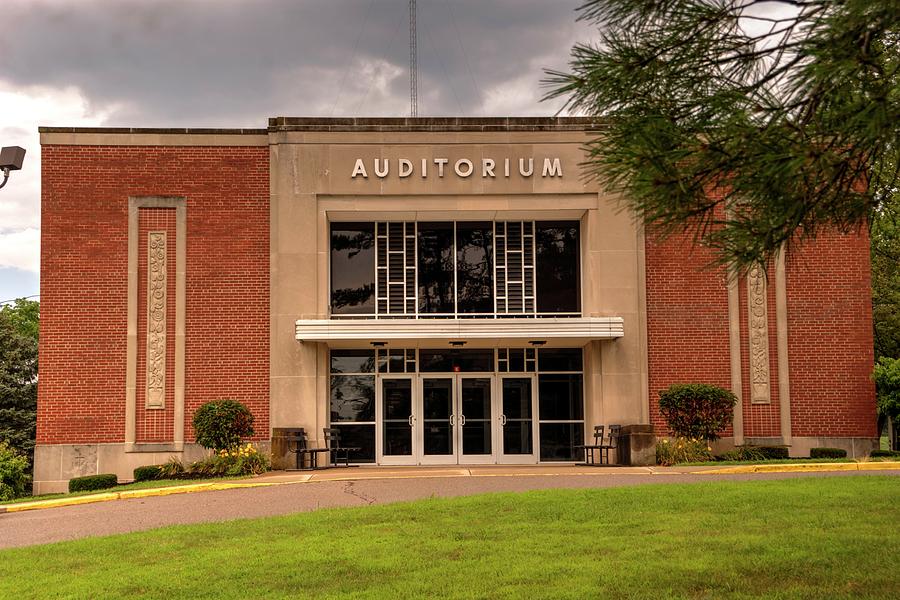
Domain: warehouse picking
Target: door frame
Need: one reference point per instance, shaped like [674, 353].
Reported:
[517, 459]
[380, 458]
[435, 459]
[476, 459]
[456, 420]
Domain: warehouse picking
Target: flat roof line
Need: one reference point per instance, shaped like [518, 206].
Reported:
[433, 123]
[385, 124]
[157, 130]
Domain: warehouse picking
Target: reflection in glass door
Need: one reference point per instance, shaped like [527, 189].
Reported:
[397, 421]
[438, 420]
[474, 420]
[517, 420]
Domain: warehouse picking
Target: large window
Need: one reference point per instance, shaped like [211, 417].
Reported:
[560, 403]
[353, 400]
[352, 268]
[456, 269]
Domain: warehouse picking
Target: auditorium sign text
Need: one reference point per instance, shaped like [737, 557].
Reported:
[464, 167]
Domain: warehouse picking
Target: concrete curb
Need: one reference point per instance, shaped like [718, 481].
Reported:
[131, 494]
[802, 468]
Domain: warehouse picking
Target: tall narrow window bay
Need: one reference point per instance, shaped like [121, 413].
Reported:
[475, 267]
[352, 268]
[558, 267]
[435, 269]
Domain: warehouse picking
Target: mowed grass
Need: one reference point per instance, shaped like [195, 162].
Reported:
[798, 538]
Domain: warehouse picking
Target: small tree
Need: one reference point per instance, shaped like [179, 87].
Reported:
[887, 381]
[696, 410]
[222, 424]
[18, 375]
[13, 473]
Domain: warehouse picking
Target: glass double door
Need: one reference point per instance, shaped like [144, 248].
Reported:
[457, 419]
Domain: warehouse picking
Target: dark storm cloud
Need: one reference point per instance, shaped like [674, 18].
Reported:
[229, 63]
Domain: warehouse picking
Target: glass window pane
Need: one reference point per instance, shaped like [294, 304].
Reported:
[435, 267]
[517, 437]
[517, 398]
[396, 361]
[560, 398]
[358, 436]
[352, 268]
[558, 440]
[352, 361]
[446, 361]
[560, 359]
[352, 398]
[558, 269]
[475, 267]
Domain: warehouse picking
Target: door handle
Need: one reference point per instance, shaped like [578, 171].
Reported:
[462, 420]
[452, 420]
[411, 420]
[503, 420]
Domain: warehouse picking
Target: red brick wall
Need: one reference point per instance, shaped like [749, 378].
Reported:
[687, 319]
[84, 262]
[830, 344]
[830, 337]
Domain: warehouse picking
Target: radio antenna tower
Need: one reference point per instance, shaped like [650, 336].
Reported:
[413, 56]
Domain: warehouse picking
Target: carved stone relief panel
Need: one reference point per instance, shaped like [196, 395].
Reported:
[758, 315]
[157, 283]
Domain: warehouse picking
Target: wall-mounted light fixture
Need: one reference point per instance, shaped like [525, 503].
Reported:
[457, 343]
[537, 343]
[378, 344]
[11, 158]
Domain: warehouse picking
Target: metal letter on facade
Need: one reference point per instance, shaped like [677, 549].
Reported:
[156, 318]
[757, 307]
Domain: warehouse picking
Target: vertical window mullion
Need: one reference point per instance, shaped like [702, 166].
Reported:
[455, 275]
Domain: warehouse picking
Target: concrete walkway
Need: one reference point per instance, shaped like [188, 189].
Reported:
[281, 493]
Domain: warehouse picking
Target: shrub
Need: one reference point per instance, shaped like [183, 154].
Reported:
[93, 482]
[885, 454]
[222, 424]
[244, 460]
[682, 450]
[773, 452]
[750, 453]
[173, 469]
[887, 382]
[828, 453]
[148, 473]
[696, 410]
[13, 473]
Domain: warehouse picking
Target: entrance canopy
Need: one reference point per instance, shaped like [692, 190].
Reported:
[509, 332]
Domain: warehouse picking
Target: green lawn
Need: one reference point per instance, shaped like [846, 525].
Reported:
[124, 488]
[797, 538]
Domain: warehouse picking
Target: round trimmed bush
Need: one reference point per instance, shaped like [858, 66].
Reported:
[148, 473]
[696, 410]
[222, 424]
[90, 483]
[827, 453]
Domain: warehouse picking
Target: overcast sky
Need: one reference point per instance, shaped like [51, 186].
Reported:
[232, 63]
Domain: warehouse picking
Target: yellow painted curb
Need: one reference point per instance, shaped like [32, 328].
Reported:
[802, 468]
[132, 494]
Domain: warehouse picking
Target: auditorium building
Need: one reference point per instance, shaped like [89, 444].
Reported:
[441, 290]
